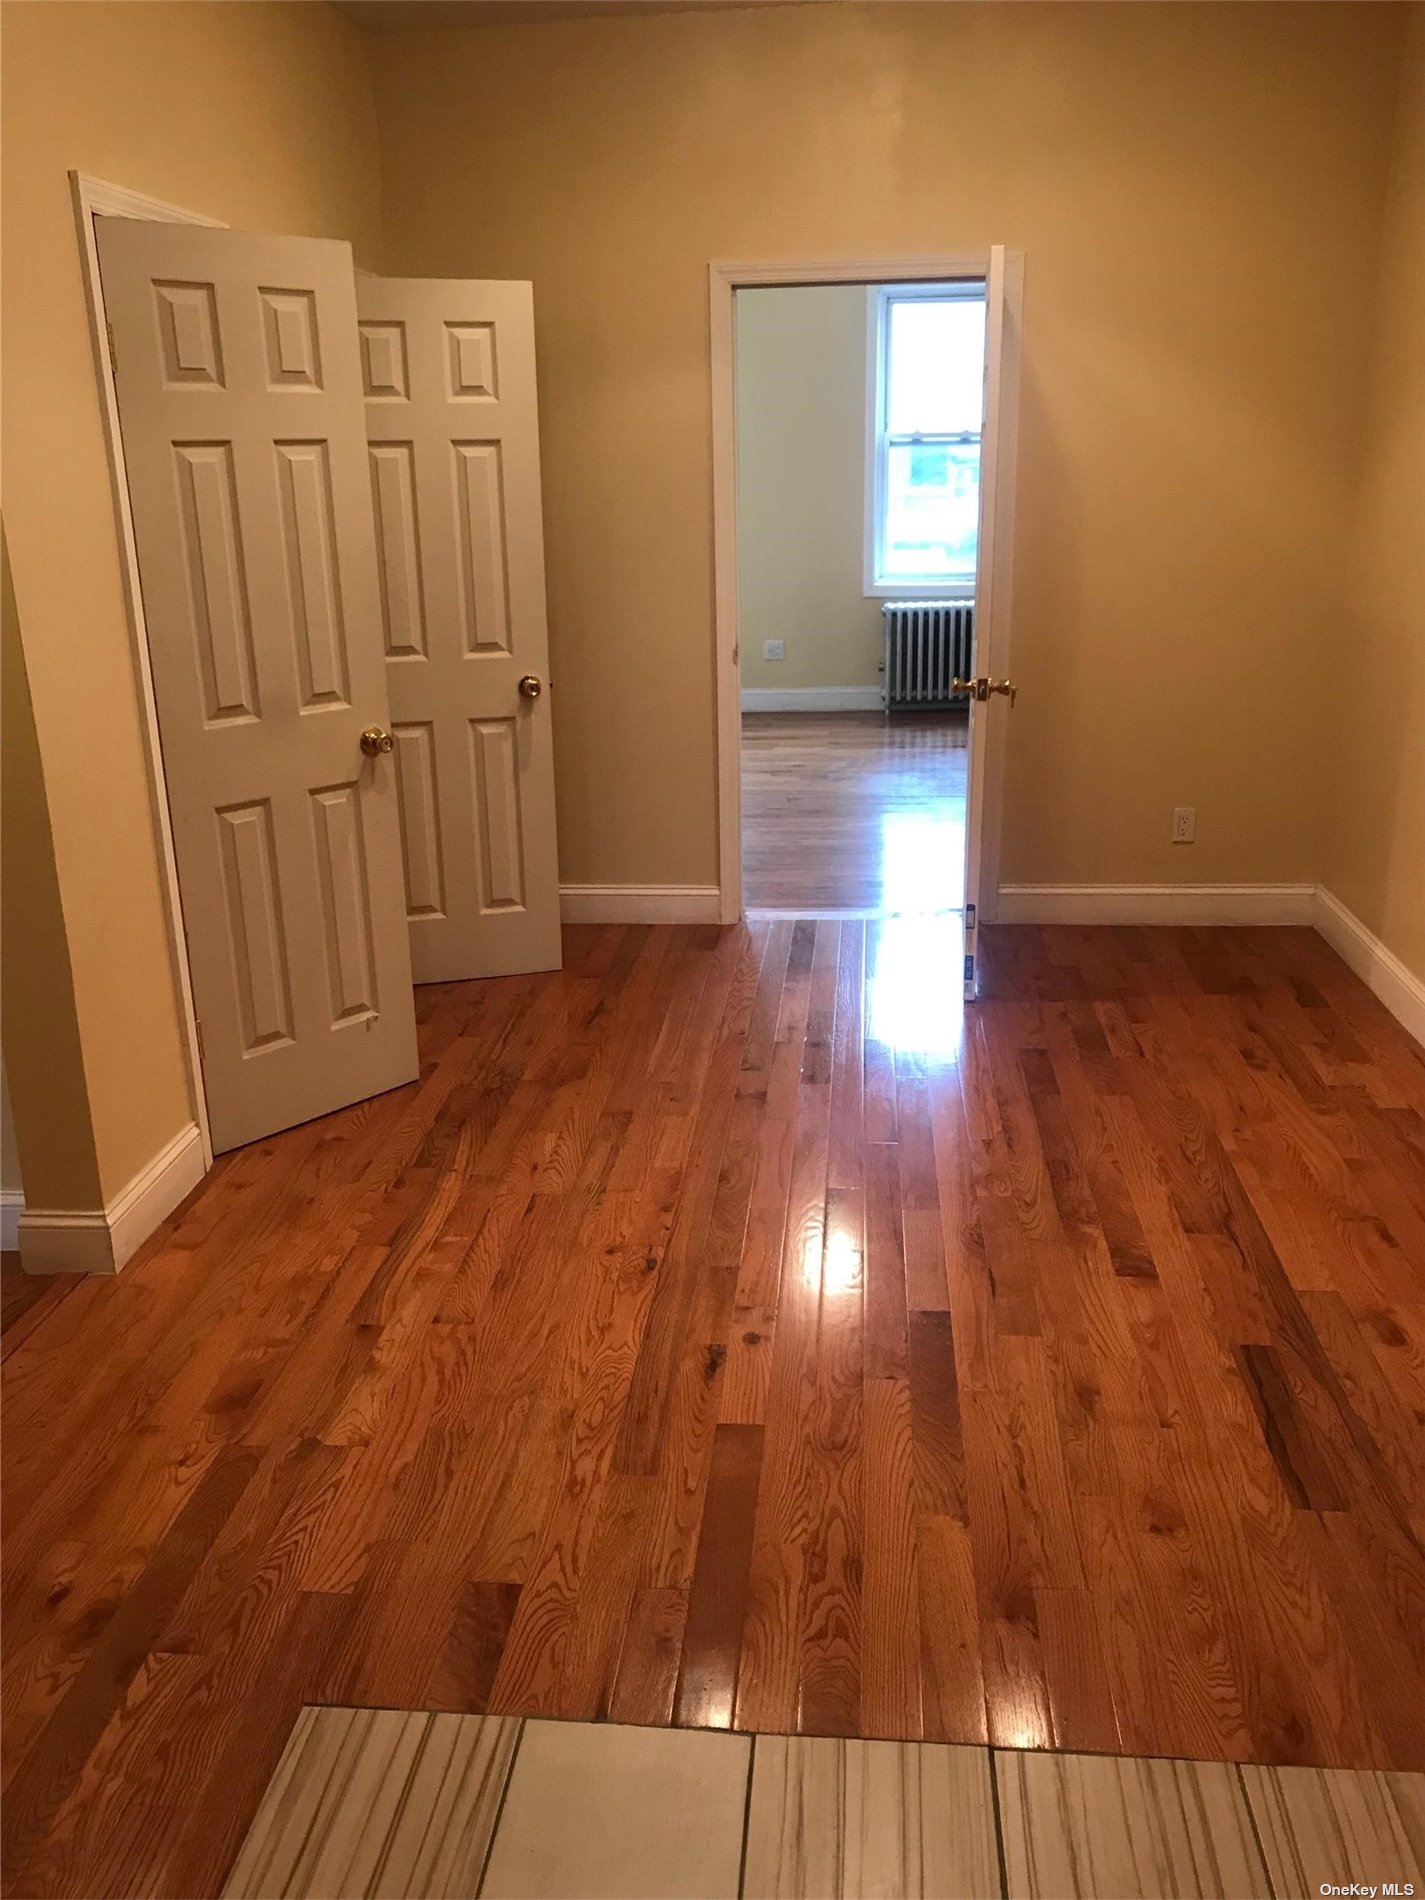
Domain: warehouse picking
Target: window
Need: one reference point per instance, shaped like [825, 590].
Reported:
[925, 405]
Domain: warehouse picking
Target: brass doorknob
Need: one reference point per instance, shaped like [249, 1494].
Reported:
[376, 740]
[531, 686]
[980, 688]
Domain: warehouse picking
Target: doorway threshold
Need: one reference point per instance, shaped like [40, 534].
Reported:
[843, 914]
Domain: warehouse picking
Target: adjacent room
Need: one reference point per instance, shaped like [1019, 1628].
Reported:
[712, 949]
[859, 415]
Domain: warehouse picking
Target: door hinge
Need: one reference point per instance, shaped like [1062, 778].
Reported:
[198, 1030]
[113, 353]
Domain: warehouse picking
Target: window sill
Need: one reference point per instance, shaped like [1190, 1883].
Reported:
[949, 591]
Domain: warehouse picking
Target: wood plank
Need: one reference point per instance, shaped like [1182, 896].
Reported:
[712, 1638]
[891, 1631]
[953, 1666]
[464, 1673]
[646, 1681]
[1080, 1693]
[935, 1417]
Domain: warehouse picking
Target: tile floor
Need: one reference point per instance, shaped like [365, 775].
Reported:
[396, 1804]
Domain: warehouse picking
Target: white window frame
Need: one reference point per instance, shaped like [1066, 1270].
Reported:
[879, 298]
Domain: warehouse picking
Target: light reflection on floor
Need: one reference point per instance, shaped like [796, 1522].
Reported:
[901, 844]
[841, 1266]
[915, 984]
[923, 859]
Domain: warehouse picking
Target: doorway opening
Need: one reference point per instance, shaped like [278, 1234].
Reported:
[859, 412]
[863, 440]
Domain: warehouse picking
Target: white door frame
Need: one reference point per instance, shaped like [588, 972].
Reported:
[992, 640]
[95, 198]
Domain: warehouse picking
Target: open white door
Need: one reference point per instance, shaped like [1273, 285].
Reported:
[992, 560]
[448, 367]
[239, 389]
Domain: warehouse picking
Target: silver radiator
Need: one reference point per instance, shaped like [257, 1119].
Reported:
[928, 644]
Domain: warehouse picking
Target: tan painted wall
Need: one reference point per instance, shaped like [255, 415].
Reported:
[257, 114]
[801, 487]
[1377, 736]
[44, 1065]
[11, 1181]
[1196, 190]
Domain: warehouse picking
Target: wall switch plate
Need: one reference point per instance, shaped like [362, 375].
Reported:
[774, 649]
[1184, 824]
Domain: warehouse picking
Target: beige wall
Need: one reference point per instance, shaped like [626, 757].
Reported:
[10, 1176]
[260, 115]
[801, 488]
[1196, 190]
[44, 1064]
[1376, 737]
[1198, 193]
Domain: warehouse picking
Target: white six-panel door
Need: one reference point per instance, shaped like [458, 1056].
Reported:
[238, 374]
[448, 370]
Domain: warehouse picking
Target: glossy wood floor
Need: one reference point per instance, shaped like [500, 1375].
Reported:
[853, 812]
[728, 1330]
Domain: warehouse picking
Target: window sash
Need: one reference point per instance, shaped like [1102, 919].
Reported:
[955, 583]
[967, 438]
[911, 513]
[884, 441]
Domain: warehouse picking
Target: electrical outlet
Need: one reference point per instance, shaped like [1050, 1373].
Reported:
[1184, 824]
[774, 649]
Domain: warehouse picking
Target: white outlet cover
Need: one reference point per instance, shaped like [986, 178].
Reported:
[774, 649]
[1184, 824]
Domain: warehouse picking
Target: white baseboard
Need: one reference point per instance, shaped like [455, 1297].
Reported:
[1156, 904]
[639, 903]
[103, 1239]
[12, 1205]
[1382, 972]
[812, 699]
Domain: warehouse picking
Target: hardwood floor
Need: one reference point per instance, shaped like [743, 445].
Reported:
[853, 812]
[729, 1329]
